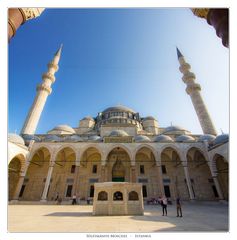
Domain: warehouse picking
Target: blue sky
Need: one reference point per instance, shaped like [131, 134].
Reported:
[118, 56]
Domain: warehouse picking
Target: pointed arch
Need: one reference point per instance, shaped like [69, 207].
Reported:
[119, 145]
[144, 145]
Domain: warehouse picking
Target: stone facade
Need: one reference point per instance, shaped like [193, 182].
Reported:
[66, 167]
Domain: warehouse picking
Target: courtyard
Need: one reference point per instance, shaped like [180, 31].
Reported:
[197, 216]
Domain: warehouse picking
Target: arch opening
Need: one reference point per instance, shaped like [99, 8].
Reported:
[222, 171]
[118, 165]
[202, 183]
[147, 172]
[36, 174]
[173, 174]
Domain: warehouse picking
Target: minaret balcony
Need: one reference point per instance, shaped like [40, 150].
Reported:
[49, 76]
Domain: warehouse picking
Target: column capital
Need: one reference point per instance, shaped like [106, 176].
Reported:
[30, 13]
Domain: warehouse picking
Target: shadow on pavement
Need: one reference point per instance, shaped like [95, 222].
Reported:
[70, 214]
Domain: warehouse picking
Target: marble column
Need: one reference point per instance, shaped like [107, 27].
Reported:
[18, 16]
[20, 183]
[188, 181]
[218, 188]
[47, 182]
[133, 177]
[76, 180]
[103, 178]
[161, 190]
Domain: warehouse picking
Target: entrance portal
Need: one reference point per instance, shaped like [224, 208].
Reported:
[118, 172]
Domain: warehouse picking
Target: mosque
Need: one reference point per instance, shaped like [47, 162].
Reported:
[117, 145]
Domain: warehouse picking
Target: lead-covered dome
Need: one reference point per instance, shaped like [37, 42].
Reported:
[163, 138]
[220, 139]
[118, 133]
[206, 137]
[88, 118]
[52, 138]
[95, 138]
[64, 128]
[142, 138]
[149, 118]
[15, 138]
[30, 137]
[74, 138]
[174, 129]
[184, 138]
[118, 108]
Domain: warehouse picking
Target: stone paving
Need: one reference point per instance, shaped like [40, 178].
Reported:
[197, 216]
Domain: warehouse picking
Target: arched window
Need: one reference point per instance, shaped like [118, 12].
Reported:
[133, 196]
[118, 196]
[102, 196]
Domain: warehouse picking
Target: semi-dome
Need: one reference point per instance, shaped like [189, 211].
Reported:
[163, 138]
[118, 133]
[74, 138]
[52, 138]
[174, 128]
[148, 118]
[184, 138]
[64, 128]
[95, 138]
[223, 138]
[206, 137]
[142, 138]
[15, 138]
[118, 108]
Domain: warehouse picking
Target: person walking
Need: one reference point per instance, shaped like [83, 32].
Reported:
[164, 205]
[74, 199]
[178, 207]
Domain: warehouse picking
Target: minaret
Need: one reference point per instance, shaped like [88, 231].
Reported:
[193, 89]
[43, 90]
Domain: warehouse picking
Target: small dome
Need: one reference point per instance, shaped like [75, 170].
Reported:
[223, 138]
[88, 118]
[52, 138]
[14, 138]
[118, 108]
[74, 138]
[95, 138]
[163, 138]
[174, 128]
[149, 118]
[142, 138]
[64, 128]
[29, 137]
[206, 137]
[184, 138]
[118, 133]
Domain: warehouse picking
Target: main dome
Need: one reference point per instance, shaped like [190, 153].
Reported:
[119, 108]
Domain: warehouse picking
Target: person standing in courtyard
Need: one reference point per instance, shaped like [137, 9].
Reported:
[74, 199]
[164, 205]
[178, 207]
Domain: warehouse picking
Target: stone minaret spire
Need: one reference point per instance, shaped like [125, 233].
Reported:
[193, 89]
[43, 90]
